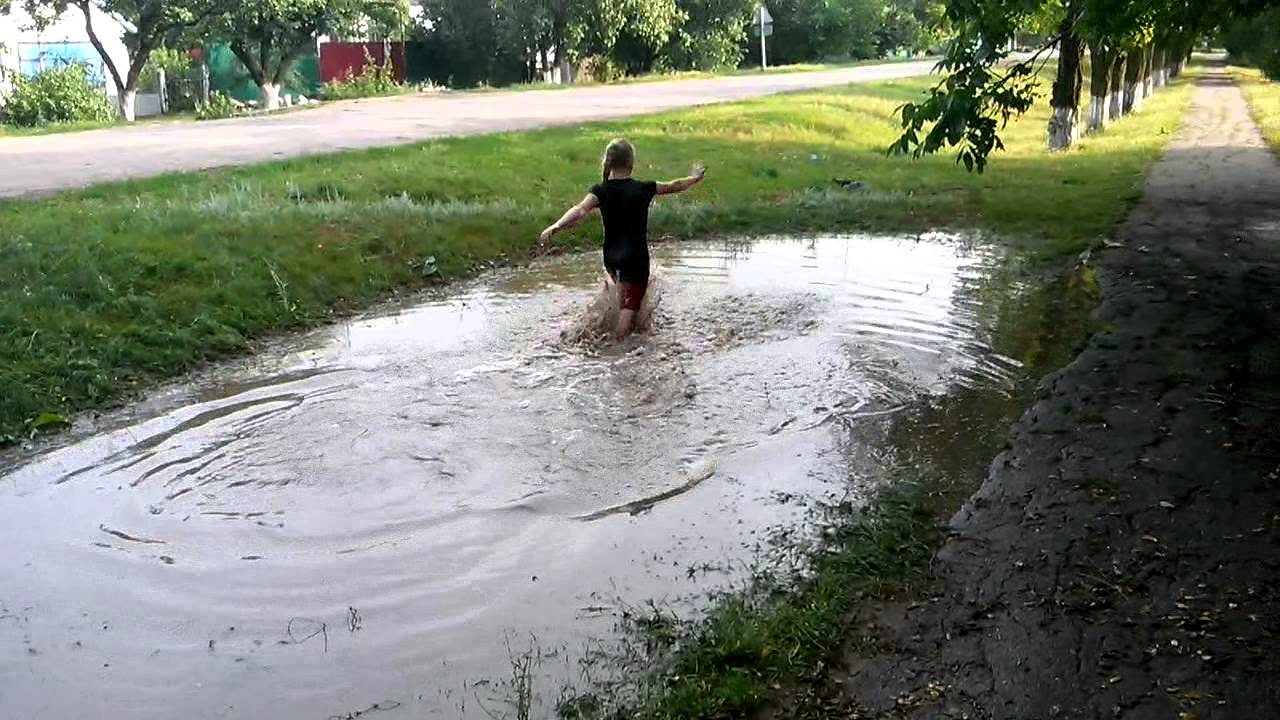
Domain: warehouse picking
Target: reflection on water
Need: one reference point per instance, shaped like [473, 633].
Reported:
[367, 522]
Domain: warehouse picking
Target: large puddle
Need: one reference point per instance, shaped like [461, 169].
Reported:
[379, 516]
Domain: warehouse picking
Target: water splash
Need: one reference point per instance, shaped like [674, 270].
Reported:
[596, 324]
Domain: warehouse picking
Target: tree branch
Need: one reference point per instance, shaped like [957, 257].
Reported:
[290, 58]
[250, 62]
[97, 45]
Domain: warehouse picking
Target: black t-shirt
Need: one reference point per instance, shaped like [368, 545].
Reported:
[624, 204]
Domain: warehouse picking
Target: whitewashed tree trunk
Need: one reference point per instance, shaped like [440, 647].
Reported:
[127, 103]
[1116, 110]
[1064, 128]
[1134, 91]
[269, 94]
[1158, 79]
[1098, 114]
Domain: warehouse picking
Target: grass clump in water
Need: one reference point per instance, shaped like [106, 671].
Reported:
[754, 643]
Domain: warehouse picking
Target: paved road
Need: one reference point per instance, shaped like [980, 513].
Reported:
[43, 165]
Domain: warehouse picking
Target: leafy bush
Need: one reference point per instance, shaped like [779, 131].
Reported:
[220, 106]
[600, 69]
[58, 95]
[373, 80]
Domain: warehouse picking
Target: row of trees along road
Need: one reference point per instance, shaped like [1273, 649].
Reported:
[497, 42]
[502, 41]
[1134, 47]
[268, 36]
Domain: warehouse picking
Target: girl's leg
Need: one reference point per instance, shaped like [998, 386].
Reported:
[626, 323]
[632, 297]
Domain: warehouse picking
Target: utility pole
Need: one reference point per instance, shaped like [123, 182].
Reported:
[764, 51]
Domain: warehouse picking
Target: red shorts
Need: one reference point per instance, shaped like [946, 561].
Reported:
[632, 295]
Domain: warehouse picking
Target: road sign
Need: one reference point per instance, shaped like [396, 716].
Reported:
[763, 22]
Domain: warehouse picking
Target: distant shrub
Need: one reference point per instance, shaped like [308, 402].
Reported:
[601, 69]
[373, 80]
[220, 106]
[64, 94]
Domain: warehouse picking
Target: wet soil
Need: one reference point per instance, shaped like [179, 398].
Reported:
[1120, 559]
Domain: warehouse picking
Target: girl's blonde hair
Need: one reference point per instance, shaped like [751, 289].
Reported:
[619, 155]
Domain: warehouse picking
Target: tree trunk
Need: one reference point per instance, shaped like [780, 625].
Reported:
[1158, 71]
[1099, 85]
[1148, 60]
[269, 96]
[126, 103]
[1133, 83]
[125, 94]
[1064, 123]
[1116, 110]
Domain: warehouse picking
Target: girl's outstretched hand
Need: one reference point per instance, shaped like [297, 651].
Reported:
[544, 241]
[699, 170]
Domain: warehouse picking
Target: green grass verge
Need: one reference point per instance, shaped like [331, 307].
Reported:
[53, 129]
[1264, 100]
[702, 75]
[60, 128]
[106, 289]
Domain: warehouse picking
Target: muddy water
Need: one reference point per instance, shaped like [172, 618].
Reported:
[373, 516]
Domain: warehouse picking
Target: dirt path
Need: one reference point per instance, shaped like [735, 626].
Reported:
[46, 164]
[1120, 560]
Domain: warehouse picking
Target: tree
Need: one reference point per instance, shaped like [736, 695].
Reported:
[270, 36]
[913, 25]
[648, 27]
[816, 30]
[1256, 41]
[524, 32]
[712, 35]
[983, 89]
[148, 23]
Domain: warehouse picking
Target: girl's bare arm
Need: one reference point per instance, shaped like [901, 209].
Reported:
[678, 186]
[572, 217]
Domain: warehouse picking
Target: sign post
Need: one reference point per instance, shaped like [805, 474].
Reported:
[765, 28]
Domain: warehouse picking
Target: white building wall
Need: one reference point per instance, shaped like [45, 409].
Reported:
[18, 28]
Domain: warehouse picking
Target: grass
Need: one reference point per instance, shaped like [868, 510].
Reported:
[60, 128]
[1264, 100]
[54, 128]
[702, 75]
[105, 290]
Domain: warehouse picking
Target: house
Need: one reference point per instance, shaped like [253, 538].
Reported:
[26, 49]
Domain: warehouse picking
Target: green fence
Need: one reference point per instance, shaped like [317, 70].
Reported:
[227, 75]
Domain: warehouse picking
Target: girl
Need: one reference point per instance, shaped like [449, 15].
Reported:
[624, 204]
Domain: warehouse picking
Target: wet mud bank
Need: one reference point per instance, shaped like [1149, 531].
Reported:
[1120, 558]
